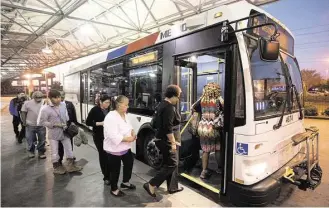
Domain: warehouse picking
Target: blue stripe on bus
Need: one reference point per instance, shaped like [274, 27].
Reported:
[116, 53]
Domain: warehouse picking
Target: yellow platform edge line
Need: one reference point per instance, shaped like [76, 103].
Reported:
[203, 184]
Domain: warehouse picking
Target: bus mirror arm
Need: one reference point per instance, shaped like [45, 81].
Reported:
[273, 36]
[226, 23]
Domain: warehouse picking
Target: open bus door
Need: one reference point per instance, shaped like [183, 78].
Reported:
[194, 71]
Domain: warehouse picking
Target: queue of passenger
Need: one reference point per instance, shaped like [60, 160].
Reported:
[113, 134]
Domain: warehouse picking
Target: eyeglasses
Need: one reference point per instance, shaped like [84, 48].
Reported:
[38, 97]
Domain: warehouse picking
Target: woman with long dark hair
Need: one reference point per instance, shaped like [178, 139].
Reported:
[95, 119]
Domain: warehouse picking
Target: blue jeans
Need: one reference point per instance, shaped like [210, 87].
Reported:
[31, 137]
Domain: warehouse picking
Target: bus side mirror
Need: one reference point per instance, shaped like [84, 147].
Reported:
[269, 49]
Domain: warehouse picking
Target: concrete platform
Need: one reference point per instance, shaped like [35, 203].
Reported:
[30, 182]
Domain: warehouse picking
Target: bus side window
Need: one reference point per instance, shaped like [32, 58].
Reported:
[143, 87]
[99, 84]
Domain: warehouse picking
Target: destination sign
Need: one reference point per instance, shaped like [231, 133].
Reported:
[142, 59]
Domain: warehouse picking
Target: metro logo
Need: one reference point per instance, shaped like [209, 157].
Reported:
[165, 34]
[174, 31]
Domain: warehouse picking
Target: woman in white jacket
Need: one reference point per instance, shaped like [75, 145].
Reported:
[118, 136]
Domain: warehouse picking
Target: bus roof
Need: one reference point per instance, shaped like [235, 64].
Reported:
[219, 14]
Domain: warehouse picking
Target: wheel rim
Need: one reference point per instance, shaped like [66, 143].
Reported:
[153, 154]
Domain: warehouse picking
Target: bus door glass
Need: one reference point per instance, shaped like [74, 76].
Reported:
[84, 96]
[185, 81]
[195, 71]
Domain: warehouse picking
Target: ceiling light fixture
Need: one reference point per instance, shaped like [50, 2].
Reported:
[46, 49]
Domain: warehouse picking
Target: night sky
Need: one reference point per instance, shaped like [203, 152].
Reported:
[309, 22]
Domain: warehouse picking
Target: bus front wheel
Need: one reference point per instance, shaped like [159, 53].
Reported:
[152, 154]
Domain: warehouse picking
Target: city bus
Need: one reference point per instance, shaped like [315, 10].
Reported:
[250, 55]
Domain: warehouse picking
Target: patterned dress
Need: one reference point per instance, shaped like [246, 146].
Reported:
[211, 118]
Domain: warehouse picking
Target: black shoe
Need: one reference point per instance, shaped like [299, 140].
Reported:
[120, 194]
[176, 191]
[131, 186]
[107, 182]
[147, 189]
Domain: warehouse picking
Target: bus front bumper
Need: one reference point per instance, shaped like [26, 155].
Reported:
[261, 193]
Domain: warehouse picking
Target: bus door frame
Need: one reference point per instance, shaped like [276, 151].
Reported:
[227, 140]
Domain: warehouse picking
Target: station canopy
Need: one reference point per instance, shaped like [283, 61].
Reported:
[36, 34]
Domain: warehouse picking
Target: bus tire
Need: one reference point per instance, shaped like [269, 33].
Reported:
[152, 155]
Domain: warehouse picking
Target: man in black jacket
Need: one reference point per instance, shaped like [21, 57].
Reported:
[165, 121]
[15, 108]
[72, 119]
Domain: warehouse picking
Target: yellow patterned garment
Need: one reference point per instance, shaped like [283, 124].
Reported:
[211, 119]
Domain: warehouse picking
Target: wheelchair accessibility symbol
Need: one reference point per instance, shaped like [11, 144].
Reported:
[241, 148]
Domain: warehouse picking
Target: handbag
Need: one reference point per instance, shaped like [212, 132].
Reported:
[194, 123]
[71, 131]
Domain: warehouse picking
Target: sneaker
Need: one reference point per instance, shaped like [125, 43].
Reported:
[58, 169]
[72, 167]
[31, 155]
[42, 156]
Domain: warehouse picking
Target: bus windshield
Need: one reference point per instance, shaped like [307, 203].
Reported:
[269, 83]
[270, 80]
[296, 78]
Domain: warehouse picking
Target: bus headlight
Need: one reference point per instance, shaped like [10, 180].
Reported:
[255, 169]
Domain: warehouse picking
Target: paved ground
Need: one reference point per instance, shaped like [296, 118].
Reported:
[320, 196]
[30, 182]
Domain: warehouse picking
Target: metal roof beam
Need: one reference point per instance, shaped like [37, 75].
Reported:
[48, 27]
[17, 33]
[149, 12]
[186, 5]
[46, 5]
[178, 9]
[17, 6]
[131, 23]
[66, 15]
[101, 23]
[17, 23]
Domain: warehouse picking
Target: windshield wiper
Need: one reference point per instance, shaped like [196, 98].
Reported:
[279, 124]
[301, 116]
[288, 99]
